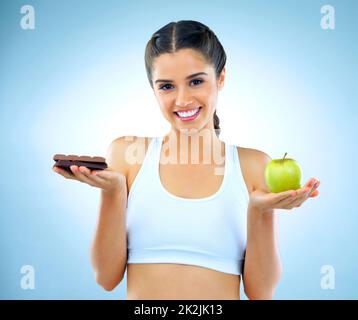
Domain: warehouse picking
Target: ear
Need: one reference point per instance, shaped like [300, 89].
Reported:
[222, 78]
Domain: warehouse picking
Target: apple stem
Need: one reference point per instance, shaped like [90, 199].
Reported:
[284, 156]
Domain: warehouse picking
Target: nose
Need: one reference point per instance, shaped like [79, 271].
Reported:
[182, 99]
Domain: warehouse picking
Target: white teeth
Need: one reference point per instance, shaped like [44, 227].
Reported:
[187, 113]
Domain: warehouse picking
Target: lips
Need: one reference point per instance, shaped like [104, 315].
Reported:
[188, 115]
[187, 111]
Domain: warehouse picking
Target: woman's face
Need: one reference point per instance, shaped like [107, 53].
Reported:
[179, 87]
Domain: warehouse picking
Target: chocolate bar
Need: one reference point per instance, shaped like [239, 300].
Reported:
[92, 163]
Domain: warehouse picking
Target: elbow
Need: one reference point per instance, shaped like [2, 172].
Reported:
[107, 283]
[107, 277]
[259, 294]
[261, 290]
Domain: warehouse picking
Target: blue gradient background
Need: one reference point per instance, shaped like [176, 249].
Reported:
[78, 81]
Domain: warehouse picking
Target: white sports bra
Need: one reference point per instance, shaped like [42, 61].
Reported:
[210, 232]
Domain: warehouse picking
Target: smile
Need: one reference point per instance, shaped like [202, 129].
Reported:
[188, 115]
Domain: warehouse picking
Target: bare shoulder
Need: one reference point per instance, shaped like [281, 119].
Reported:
[119, 149]
[253, 164]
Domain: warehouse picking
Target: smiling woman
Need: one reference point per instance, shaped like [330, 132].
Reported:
[192, 227]
[175, 50]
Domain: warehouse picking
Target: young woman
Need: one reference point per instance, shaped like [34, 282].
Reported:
[192, 227]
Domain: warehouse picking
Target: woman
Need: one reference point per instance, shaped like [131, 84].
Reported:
[190, 228]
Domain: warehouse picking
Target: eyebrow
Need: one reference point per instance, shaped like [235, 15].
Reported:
[188, 77]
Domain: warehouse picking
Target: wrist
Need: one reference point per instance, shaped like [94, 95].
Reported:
[115, 198]
[118, 187]
[116, 192]
[262, 211]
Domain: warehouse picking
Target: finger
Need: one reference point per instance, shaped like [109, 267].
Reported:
[80, 176]
[90, 173]
[287, 197]
[301, 194]
[314, 187]
[63, 172]
[297, 203]
[310, 182]
[278, 197]
[91, 177]
[310, 193]
[314, 194]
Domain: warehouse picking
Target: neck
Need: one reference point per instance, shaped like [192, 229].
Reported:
[194, 146]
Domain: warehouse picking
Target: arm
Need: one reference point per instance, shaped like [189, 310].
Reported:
[263, 268]
[109, 247]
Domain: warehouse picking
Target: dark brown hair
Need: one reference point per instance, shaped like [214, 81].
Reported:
[186, 34]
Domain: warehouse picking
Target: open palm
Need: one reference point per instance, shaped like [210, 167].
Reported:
[264, 200]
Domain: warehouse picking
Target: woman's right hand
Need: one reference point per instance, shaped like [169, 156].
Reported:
[107, 180]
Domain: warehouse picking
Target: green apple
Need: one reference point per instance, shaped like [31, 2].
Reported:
[283, 175]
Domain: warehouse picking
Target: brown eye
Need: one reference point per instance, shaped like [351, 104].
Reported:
[164, 86]
[200, 81]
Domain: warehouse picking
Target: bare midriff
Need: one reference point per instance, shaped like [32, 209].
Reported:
[165, 281]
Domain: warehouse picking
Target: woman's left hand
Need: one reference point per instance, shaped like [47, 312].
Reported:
[265, 201]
